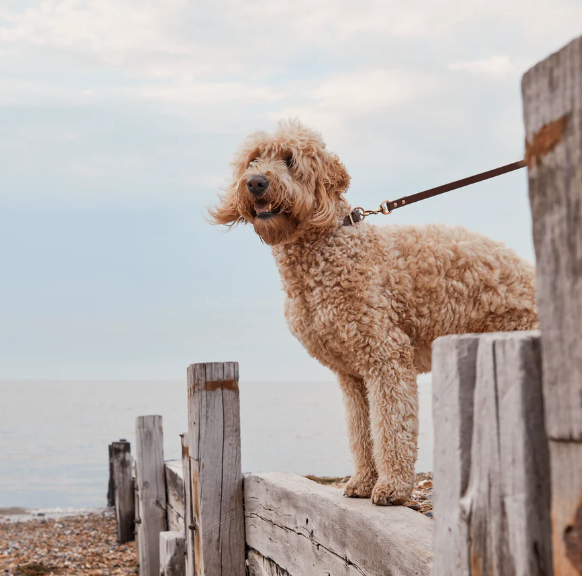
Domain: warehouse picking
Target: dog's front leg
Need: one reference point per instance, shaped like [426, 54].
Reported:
[393, 401]
[357, 408]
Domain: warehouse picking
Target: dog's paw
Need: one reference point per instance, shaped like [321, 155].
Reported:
[360, 486]
[389, 492]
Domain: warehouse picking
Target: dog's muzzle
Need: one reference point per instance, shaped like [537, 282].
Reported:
[257, 185]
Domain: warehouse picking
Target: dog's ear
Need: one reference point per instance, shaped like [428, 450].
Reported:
[336, 174]
[332, 180]
[226, 211]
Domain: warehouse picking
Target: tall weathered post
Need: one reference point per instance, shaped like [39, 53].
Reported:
[215, 534]
[552, 102]
[151, 482]
[491, 463]
[123, 482]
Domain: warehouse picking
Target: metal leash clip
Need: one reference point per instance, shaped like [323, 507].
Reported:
[383, 209]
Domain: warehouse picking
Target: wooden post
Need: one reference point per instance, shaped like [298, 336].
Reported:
[137, 512]
[188, 519]
[494, 501]
[175, 495]
[151, 492]
[454, 374]
[111, 484]
[172, 550]
[124, 504]
[213, 441]
[552, 102]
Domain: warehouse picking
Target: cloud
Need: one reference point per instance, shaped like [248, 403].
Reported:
[328, 103]
[208, 93]
[181, 40]
[494, 66]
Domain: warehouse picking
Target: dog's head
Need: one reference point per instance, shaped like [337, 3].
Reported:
[287, 185]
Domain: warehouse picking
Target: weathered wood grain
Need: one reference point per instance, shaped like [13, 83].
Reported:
[258, 565]
[213, 441]
[172, 554]
[495, 501]
[552, 102]
[175, 495]
[306, 528]
[151, 492]
[453, 387]
[124, 503]
[507, 499]
[188, 517]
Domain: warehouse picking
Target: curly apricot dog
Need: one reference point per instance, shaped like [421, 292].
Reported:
[365, 301]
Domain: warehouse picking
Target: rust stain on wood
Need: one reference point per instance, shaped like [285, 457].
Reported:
[214, 385]
[224, 384]
[476, 562]
[573, 540]
[185, 451]
[545, 140]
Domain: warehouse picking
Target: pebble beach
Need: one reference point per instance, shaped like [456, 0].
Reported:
[73, 545]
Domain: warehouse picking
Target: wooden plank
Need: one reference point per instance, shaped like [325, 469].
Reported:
[151, 492]
[175, 495]
[453, 380]
[306, 528]
[172, 551]
[214, 452]
[552, 103]
[188, 519]
[258, 565]
[552, 100]
[507, 501]
[124, 503]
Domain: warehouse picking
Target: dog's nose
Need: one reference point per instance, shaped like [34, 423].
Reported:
[257, 185]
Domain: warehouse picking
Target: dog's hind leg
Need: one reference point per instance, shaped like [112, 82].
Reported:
[357, 408]
[393, 398]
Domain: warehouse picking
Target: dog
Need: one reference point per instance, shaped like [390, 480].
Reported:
[368, 301]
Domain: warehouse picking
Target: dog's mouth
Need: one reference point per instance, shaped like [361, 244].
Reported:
[265, 210]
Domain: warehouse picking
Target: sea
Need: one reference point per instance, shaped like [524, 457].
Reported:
[54, 435]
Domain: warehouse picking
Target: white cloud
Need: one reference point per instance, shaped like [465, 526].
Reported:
[367, 91]
[181, 40]
[208, 93]
[333, 100]
[494, 66]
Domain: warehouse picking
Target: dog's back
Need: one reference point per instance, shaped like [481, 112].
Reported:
[457, 281]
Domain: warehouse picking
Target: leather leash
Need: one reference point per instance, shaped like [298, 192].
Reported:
[386, 207]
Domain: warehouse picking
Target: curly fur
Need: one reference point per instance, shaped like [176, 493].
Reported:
[368, 301]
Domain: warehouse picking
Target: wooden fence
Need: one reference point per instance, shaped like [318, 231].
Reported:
[508, 431]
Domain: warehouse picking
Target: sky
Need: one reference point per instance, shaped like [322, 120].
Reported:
[118, 120]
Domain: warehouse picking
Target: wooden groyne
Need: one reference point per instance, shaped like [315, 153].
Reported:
[508, 431]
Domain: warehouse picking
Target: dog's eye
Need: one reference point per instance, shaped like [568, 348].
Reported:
[288, 160]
